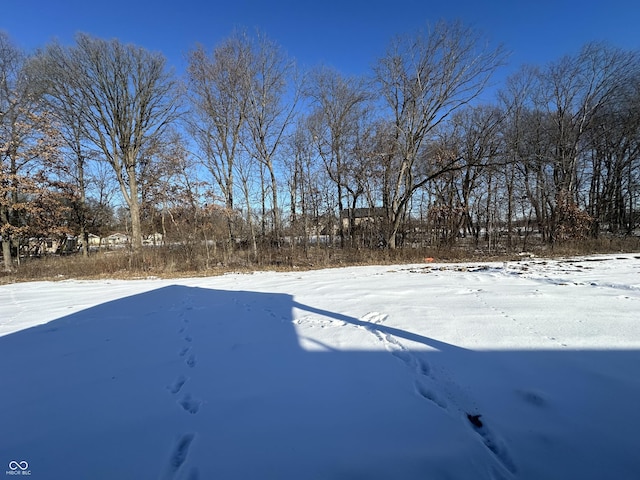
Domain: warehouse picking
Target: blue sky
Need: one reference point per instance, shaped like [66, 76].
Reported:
[347, 34]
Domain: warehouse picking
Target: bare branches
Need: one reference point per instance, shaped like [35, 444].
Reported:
[424, 79]
[125, 98]
[219, 107]
[340, 107]
[242, 105]
[412, 146]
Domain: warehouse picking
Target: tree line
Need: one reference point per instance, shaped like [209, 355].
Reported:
[246, 152]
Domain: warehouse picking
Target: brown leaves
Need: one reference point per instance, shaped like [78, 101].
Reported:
[571, 221]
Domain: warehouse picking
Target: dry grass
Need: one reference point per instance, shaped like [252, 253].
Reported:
[189, 262]
[605, 244]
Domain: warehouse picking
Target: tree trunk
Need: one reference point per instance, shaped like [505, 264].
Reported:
[84, 235]
[134, 211]
[394, 225]
[6, 240]
[6, 254]
[252, 227]
[274, 196]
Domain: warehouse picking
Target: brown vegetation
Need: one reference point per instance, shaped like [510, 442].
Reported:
[164, 262]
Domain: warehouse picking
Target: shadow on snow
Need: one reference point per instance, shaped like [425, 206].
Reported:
[195, 383]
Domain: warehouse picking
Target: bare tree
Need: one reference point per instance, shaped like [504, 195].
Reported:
[246, 173]
[423, 80]
[219, 110]
[574, 90]
[66, 105]
[516, 103]
[126, 98]
[100, 205]
[302, 179]
[471, 140]
[614, 157]
[340, 103]
[270, 107]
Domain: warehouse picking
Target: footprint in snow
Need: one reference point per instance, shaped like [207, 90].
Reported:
[422, 371]
[177, 385]
[180, 452]
[495, 445]
[428, 394]
[375, 317]
[191, 361]
[423, 368]
[412, 361]
[532, 397]
[190, 404]
[402, 355]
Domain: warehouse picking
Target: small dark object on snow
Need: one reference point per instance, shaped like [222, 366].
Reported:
[475, 420]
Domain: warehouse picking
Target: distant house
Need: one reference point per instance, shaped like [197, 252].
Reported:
[154, 239]
[94, 240]
[116, 240]
[362, 216]
[51, 246]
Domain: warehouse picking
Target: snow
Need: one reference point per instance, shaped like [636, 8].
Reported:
[522, 370]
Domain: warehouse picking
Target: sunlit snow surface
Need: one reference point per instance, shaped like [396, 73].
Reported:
[524, 370]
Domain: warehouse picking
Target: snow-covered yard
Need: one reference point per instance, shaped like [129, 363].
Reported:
[526, 370]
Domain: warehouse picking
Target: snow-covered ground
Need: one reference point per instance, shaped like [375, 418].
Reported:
[525, 370]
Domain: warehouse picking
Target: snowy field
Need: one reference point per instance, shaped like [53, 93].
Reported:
[525, 370]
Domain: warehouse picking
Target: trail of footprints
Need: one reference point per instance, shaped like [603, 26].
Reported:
[422, 370]
[481, 299]
[186, 402]
[425, 384]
